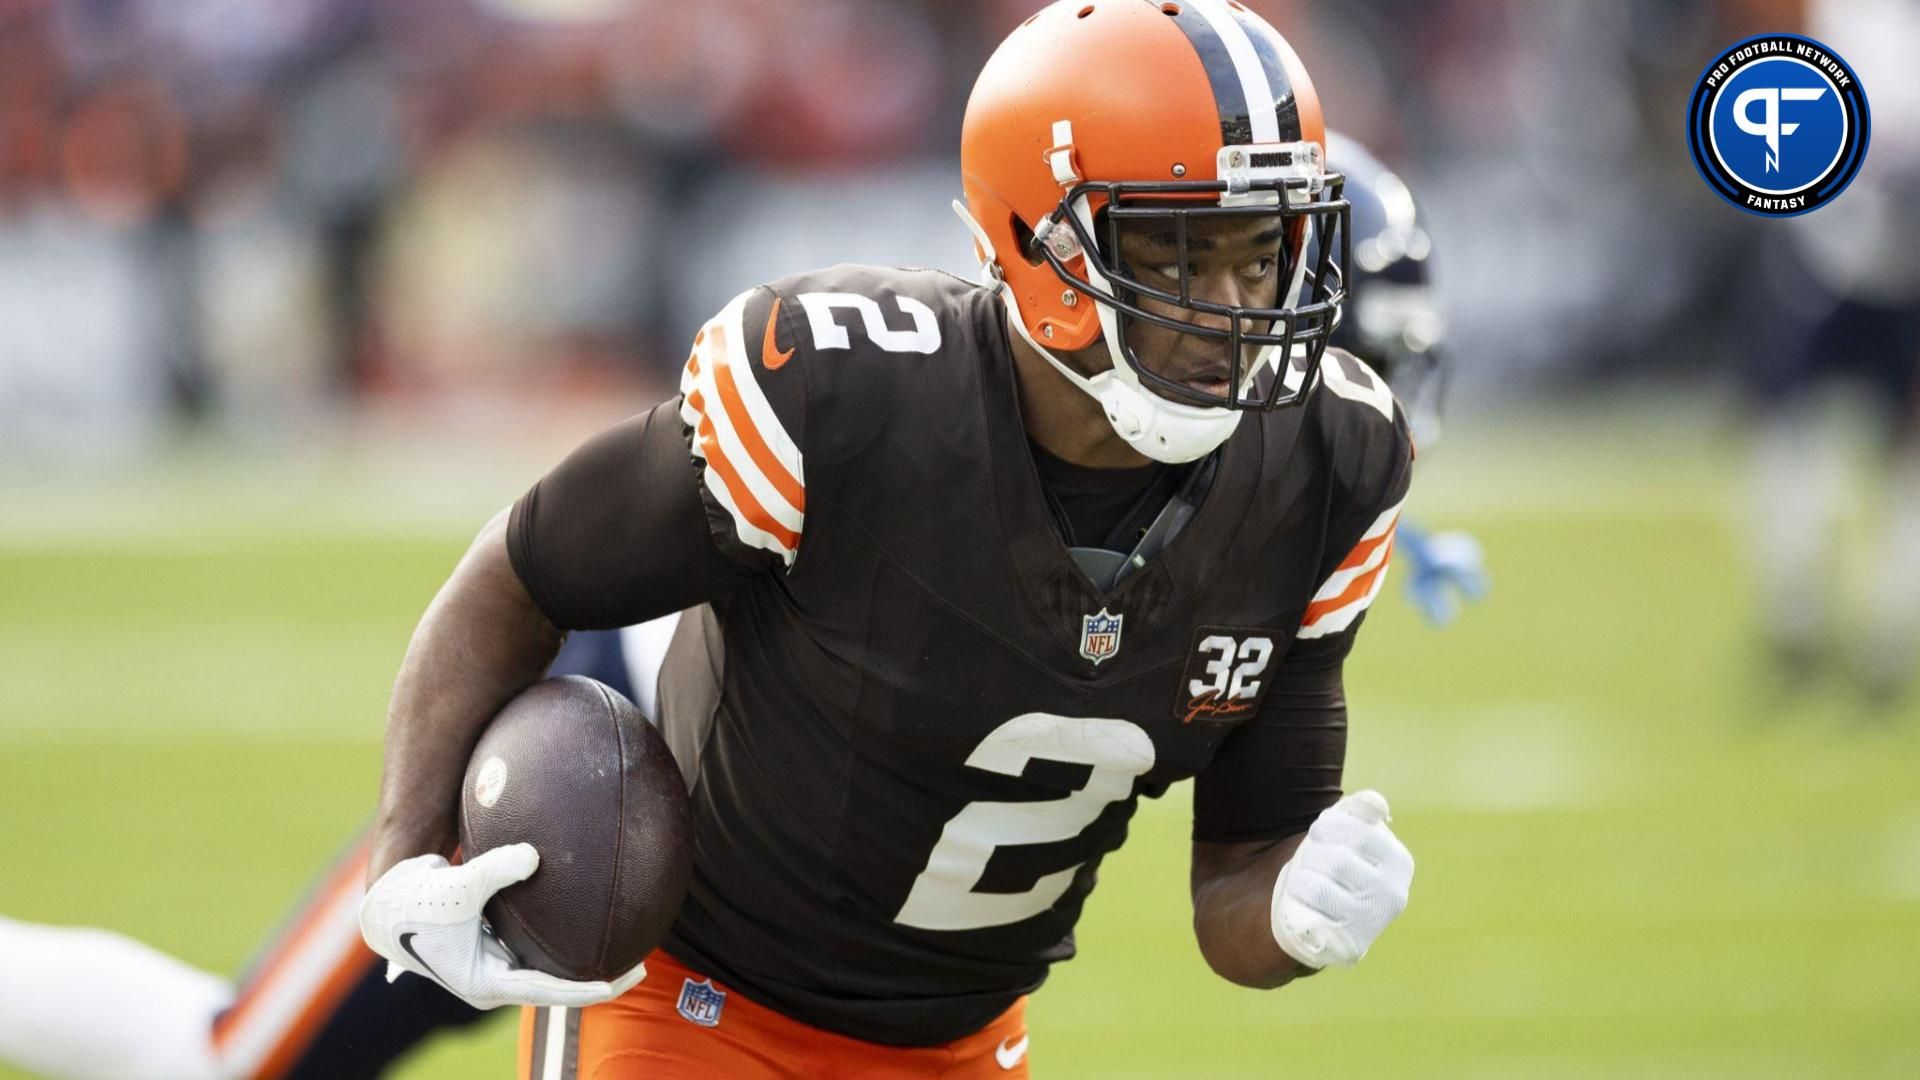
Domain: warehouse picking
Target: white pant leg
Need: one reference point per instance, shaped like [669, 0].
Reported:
[85, 1004]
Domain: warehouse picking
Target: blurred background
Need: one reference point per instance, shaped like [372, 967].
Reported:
[293, 295]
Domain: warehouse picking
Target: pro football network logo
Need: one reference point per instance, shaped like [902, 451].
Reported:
[1778, 125]
[701, 1003]
[1100, 636]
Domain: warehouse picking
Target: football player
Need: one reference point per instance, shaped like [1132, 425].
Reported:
[1850, 348]
[319, 1006]
[968, 569]
[1393, 322]
[1833, 355]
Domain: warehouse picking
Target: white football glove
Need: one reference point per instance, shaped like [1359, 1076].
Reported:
[423, 915]
[1344, 884]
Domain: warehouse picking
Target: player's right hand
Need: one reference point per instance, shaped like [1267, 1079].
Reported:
[424, 916]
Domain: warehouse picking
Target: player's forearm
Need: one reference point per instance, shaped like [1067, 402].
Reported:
[481, 641]
[1232, 911]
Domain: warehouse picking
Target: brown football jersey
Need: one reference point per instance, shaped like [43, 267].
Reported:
[911, 725]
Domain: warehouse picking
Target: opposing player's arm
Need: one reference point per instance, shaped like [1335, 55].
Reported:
[1287, 876]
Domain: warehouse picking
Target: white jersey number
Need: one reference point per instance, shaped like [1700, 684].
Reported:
[943, 896]
[828, 334]
[1369, 389]
[1253, 654]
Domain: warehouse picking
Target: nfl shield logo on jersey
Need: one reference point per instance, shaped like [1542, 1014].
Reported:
[701, 1003]
[1100, 635]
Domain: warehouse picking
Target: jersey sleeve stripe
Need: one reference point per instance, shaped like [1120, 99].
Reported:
[783, 464]
[722, 439]
[777, 474]
[1369, 553]
[1358, 587]
[1363, 552]
[1350, 589]
[751, 521]
[754, 467]
[1333, 618]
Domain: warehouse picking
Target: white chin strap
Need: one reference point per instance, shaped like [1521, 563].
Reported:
[1166, 431]
[1163, 430]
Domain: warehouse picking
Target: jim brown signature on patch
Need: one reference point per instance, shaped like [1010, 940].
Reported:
[1204, 705]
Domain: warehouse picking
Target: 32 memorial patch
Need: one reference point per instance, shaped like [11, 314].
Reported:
[1226, 675]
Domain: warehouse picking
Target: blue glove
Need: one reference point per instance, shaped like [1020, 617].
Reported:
[1441, 569]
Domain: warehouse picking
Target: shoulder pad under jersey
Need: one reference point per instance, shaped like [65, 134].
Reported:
[817, 368]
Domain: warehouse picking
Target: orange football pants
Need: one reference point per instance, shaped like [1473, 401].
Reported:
[644, 1035]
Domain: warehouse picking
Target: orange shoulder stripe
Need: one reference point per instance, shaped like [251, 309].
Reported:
[1363, 551]
[1355, 590]
[783, 481]
[750, 507]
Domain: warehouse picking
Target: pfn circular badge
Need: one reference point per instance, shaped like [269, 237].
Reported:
[1778, 125]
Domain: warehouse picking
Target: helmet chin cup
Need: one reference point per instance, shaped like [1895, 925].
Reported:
[1166, 431]
[1123, 408]
[1163, 430]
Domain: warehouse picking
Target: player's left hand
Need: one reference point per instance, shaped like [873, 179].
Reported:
[425, 916]
[1442, 569]
[1344, 884]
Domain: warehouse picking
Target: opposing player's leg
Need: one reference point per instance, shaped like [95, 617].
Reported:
[318, 1006]
[681, 1025]
[86, 1003]
[83, 1003]
[317, 1003]
[1893, 597]
[78, 1003]
[1798, 475]
[1892, 615]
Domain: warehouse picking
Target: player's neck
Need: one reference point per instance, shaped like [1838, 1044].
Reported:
[1064, 420]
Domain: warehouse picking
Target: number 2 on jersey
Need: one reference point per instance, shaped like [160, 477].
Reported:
[924, 338]
[943, 897]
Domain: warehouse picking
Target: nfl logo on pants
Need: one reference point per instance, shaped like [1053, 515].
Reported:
[1100, 635]
[701, 1003]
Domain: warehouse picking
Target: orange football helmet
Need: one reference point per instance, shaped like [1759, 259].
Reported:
[1098, 112]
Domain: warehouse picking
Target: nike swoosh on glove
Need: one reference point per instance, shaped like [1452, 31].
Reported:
[424, 916]
[1344, 884]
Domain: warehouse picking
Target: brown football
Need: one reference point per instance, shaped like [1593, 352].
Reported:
[574, 769]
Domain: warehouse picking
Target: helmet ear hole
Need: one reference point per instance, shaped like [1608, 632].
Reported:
[1023, 239]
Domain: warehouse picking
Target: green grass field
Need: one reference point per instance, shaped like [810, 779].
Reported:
[1636, 856]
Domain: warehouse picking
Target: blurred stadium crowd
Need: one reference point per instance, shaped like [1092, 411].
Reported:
[242, 211]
